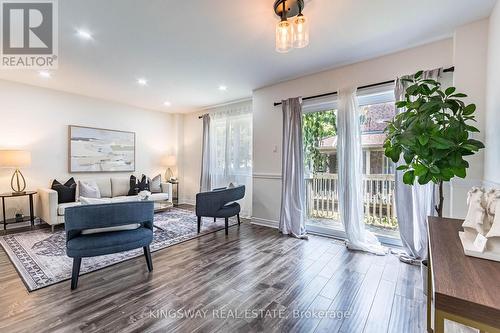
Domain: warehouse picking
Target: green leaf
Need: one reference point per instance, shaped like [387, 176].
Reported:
[424, 179]
[401, 104]
[447, 173]
[450, 91]
[476, 143]
[420, 170]
[409, 178]
[418, 74]
[469, 109]
[412, 90]
[460, 172]
[402, 167]
[442, 143]
[423, 139]
[459, 95]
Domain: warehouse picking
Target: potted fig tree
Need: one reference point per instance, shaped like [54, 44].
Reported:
[433, 135]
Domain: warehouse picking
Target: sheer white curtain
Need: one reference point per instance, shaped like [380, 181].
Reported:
[231, 149]
[205, 156]
[350, 163]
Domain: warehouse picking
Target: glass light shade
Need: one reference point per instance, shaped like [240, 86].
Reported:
[300, 31]
[284, 36]
[14, 158]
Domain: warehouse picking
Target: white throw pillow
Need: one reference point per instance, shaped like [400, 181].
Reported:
[89, 189]
[155, 184]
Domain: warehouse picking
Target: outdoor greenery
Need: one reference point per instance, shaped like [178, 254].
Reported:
[433, 134]
[315, 127]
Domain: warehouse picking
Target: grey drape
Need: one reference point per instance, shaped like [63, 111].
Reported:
[292, 218]
[205, 183]
[413, 203]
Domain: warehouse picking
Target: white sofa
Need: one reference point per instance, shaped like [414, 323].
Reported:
[116, 189]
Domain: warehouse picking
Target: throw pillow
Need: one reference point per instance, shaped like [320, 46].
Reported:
[89, 189]
[155, 184]
[143, 184]
[134, 189]
[65, 192]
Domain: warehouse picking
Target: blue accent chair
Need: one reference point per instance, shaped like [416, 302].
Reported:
[219, 203]
[115, 215]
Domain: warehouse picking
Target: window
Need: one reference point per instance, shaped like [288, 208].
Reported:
[231, 149]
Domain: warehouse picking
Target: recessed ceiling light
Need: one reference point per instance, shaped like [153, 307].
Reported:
[142, 82]
[45, 74]
[167, 104]
[83, 34]
[222, 88]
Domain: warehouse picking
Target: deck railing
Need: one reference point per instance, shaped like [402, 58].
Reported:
[378, 198]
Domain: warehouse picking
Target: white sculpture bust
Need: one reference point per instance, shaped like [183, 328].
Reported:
[481, 235]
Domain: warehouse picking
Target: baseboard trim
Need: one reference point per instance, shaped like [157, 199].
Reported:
[265, 222]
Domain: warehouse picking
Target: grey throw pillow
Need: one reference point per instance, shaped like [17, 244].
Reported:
[155, 184]
[89, 189]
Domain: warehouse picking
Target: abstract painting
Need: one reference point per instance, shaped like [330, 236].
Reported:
[100, 150]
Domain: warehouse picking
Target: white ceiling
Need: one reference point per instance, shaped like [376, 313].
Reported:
[186, 49]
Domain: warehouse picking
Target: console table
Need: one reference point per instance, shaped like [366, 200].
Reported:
[31, 217]
[465, 289]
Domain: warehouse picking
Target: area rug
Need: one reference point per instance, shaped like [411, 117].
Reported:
[40, 255]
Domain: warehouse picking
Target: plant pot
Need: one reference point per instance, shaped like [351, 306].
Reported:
[424, 267]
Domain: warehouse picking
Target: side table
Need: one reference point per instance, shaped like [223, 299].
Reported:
[31, 217]
[175, 199]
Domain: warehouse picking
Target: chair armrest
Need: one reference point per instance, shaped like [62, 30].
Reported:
[48, 201]
[167, 188]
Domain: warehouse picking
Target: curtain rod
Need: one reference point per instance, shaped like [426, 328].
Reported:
[446, 70]
[203, 115]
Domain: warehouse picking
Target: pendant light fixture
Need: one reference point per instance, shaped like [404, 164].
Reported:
[292, 31]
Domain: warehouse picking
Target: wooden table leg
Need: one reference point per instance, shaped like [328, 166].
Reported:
[438, 321]
[429, 295]
[32, 213]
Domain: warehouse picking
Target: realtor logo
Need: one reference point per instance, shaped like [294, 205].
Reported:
[29, 34]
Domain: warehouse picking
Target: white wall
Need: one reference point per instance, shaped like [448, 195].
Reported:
[190, 170]
[267, 118]
[470, 50]
[37, 119]
[492, 154]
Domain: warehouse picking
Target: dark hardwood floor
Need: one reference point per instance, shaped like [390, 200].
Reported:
[300, 286]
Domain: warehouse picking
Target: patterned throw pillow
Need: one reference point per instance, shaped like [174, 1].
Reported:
[155, 184]
[137, 186]
[65, 192]
[89, 189]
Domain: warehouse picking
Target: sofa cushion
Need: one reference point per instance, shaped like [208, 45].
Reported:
[62, 207]
[158, 196]
[94, 201]
[88, 189]
[104, 185]
[119, 187]
[125, 199]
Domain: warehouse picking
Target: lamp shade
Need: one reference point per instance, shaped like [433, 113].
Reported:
[14, 158]
[169, 161]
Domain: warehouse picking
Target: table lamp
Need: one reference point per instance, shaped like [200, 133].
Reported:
[16, 159]
[169, 162]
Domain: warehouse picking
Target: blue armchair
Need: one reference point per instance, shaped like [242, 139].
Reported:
[127, 226]
[219, 203]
